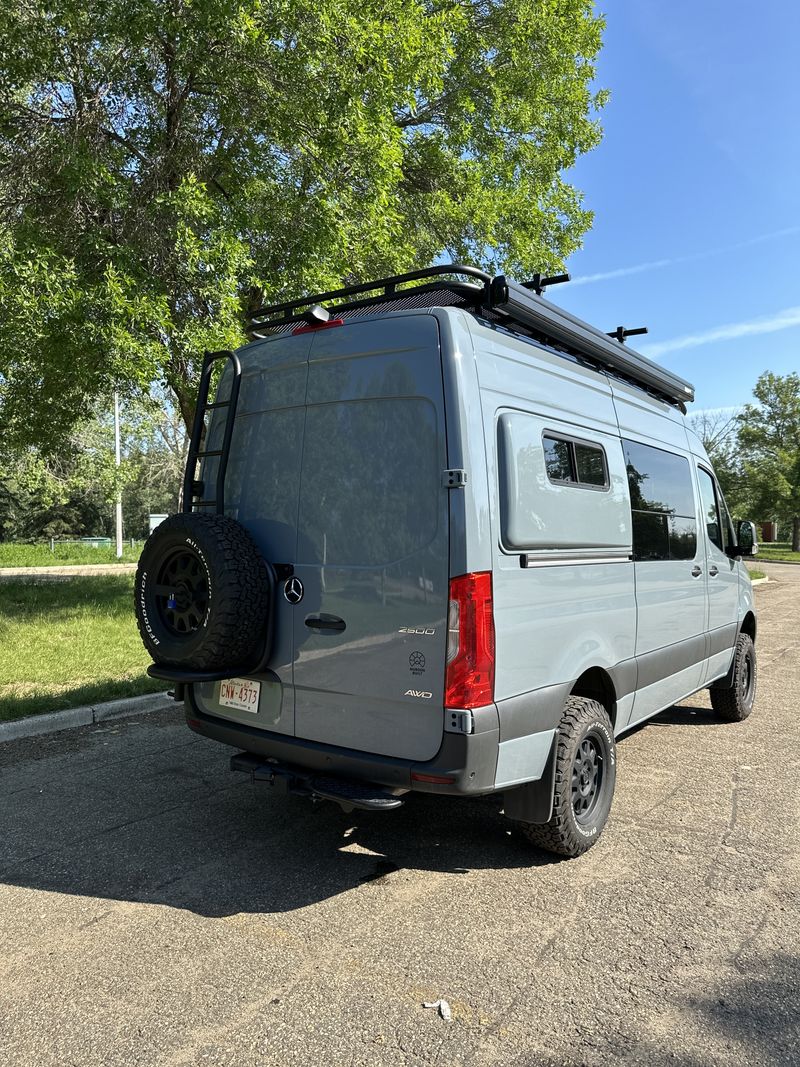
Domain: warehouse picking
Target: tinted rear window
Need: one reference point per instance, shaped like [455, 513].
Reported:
[370, 481]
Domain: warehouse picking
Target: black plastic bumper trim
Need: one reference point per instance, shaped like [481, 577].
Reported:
[469, 759]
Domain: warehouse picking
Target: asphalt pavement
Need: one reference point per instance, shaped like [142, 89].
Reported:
[157, 909]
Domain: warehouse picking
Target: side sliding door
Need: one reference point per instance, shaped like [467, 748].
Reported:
[669, 566]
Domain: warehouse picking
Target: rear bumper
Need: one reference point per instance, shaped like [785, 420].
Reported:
[469, 760]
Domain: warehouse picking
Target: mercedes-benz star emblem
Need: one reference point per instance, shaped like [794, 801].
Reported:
[293, 590]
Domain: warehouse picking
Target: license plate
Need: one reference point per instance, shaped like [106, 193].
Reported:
[240, 693]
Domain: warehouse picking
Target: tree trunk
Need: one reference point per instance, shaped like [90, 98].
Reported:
[796, 534]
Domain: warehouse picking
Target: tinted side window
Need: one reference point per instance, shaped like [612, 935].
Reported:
[557, 460]
[710, 510]
[575, 462]
[728, 535]
[662, 503]
[590, 465]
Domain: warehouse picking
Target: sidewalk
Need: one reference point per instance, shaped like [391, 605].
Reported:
[77, 570]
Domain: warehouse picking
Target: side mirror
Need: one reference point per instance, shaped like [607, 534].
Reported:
[747, 544]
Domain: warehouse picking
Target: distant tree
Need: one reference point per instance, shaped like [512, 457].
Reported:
[72, 494]
[718, 429]
[165, 164]
[769, 436]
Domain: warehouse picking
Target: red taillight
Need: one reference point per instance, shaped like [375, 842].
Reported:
[469, 682]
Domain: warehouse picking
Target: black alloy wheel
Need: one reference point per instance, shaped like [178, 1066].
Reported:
[182, 592]
[587, 779]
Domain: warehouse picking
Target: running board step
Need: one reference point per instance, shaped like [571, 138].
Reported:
[346, 792]
[352, 794]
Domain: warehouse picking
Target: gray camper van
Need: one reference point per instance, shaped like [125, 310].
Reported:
[441, 535]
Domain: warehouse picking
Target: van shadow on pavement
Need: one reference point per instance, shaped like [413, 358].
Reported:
[685, 715]
[174, 826]
[140, 812]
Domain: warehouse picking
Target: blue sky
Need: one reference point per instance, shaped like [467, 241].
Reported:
[699, 173]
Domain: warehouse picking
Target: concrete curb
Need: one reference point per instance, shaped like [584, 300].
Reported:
[54, 721]
[758, 581]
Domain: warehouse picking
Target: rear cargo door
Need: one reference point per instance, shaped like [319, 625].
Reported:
[262, 488]
[372, 546]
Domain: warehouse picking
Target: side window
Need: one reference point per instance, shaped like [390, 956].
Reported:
[728, 536]
[557, 460]
[718, 522]
[575, 462]
[662, 503]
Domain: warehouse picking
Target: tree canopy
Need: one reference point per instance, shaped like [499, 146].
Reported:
[769, 437]
[166, 164]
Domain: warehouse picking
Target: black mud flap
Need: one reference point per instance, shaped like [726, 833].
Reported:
[533, 802]
[346, 792]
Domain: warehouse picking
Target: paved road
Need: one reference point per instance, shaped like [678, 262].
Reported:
[156, 910]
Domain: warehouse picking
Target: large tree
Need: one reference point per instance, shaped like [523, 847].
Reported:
[769, 437]
[166, 163]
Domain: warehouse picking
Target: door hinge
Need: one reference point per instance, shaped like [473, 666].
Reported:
[454, 479]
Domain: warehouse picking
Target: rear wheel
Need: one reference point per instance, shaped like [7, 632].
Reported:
[736, 703]
[585, 775]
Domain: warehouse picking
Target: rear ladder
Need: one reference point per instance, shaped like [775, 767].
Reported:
[192, 488]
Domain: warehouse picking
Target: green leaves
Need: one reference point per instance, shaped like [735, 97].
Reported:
[162, 165]
[769, 436]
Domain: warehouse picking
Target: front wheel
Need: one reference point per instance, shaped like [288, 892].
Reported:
[585, 775]
[736, 703]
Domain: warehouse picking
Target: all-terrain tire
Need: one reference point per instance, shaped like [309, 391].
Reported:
[584, 728]
[203, 594]
[736, 703]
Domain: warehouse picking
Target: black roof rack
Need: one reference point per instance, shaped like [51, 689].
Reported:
[518, 307]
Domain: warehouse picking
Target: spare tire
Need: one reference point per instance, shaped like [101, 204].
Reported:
[203, 594]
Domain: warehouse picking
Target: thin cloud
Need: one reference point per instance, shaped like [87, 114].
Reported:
[658, 264]
[783, 320]
[639, 268]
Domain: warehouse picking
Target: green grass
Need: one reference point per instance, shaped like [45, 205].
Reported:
[68, 643]
[14, 555]
[756, 574]
[778, 550]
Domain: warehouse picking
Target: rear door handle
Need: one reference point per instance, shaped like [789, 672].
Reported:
[325, 622]
[713, 570]
[696, 572]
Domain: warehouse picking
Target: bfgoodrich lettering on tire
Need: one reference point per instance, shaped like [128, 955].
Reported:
[203, 593]
[736, 703]
[585, 775]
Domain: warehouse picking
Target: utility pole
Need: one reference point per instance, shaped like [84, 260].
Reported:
[119, 488]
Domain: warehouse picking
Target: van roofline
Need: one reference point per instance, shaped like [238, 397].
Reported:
[498, 299]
